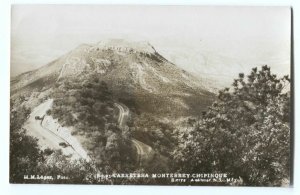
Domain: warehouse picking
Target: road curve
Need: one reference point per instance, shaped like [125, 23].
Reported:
[123, 115]
[143, 150]
[46, 138]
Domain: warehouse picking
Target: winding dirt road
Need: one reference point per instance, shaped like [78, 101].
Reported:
[143, 151]
[47, 138]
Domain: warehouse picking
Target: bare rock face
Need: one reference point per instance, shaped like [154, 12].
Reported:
[125, 46]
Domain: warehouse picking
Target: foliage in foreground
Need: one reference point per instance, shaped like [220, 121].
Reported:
[245, 133]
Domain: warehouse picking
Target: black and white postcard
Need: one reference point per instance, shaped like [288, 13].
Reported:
[151, 95]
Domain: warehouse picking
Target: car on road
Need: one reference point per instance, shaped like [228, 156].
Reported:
[63, 144]
[38, 118]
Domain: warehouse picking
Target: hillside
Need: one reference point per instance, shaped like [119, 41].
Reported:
[137, 75]
[92, 85]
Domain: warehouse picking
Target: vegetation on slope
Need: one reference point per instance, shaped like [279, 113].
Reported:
[246, 133]
[27, 159]
[87, 104]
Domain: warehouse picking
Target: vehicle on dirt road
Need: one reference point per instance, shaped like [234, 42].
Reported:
[38, 118]
[63, 144]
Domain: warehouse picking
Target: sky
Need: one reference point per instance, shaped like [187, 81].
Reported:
[212, 42]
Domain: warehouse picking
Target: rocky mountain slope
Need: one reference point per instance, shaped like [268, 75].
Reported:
[136, 73]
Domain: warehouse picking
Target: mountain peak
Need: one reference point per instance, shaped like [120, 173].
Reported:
[130, 69]
[125, 45]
